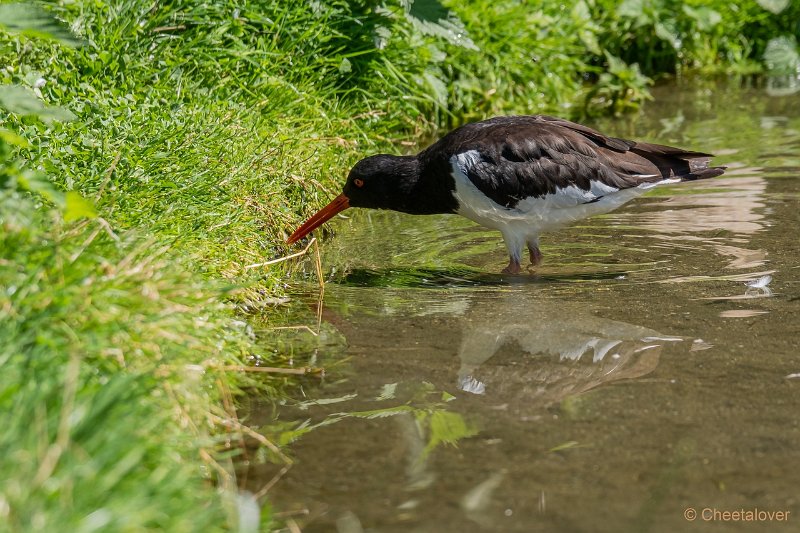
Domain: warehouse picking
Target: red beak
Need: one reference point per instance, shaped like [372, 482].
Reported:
[339, 204]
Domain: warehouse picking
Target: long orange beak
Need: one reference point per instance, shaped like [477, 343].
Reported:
[339, 204]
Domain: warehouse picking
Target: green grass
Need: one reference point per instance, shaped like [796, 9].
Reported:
[95, 355]
[204, 132]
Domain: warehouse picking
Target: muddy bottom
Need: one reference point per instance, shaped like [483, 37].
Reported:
[634, 382]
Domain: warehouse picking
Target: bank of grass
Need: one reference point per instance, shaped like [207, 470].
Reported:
[102, 408]
[204, 132]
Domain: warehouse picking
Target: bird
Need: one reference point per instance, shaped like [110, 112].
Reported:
[521, 175]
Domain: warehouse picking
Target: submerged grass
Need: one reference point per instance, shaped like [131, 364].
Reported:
[203, 132]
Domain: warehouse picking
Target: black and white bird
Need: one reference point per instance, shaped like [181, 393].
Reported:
[520, 175]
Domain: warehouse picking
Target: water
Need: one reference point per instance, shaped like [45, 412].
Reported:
[632, 377]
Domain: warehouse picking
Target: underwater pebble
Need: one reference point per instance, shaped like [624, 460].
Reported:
[699, 345]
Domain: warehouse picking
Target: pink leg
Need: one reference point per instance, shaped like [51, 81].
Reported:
[536, 254]
[513, 266]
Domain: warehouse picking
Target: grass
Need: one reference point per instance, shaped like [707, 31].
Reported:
[102, 426]
[203, 132]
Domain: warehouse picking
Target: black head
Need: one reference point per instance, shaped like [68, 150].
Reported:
[382, 182]
[388, 182]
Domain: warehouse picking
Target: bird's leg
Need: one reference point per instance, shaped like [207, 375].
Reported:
[535, 253]
[513, 266]
[514, 244]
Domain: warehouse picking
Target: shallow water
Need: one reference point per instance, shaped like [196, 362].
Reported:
[633, 376]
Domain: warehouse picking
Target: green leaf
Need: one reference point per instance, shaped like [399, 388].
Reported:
[581, 12]
[433, 54]
[635, 10]
[615, 64]
[437, 87]
[774, 6]
[381, 37]
[287, 434]
[33, 21]
[428, 10]
[665, 32]
[565, 446]
[430, 17]
[387, 392]
[78, 207]
[9, 137]
[448, 428]
[325, 401]
[23, 101]
[589, 40]
[706, 18]
[781, 55]
[38, 183]
[380, 413]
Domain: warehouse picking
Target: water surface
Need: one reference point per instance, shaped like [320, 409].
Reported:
[631, 377]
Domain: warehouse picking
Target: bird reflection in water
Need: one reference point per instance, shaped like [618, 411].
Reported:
[548, 350]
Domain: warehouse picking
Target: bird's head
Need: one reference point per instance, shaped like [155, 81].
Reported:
[378, 182]
[381, 182]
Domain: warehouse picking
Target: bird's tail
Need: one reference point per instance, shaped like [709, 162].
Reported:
[699, 169]
[678, 163]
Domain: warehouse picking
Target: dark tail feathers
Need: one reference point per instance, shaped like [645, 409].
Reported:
[678, 163]
[699, 169]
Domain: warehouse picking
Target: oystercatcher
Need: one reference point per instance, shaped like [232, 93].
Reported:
[520, 175]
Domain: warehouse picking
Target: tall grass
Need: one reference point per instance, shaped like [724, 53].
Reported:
[89, 393]
[203, 132]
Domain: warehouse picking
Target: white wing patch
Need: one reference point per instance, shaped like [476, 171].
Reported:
[468, 159]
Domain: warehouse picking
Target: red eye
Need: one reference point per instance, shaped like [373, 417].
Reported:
[358, 182]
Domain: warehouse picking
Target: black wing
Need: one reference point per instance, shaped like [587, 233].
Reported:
[512, 158]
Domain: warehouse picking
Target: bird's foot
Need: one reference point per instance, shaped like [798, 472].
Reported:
[536, 255]
[513, 267]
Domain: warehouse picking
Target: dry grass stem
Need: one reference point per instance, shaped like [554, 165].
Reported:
[308, 329]
[107, 176]
[318, 266]
[265, 489]
[53, 454]
[85, 245]
[107, 227]
[230, 410]
[282, 259]
[298, 512]
[254, 434]
[274, 369]
[162, 29]
[292, 525]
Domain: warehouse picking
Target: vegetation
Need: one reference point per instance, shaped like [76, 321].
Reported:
[156, 151]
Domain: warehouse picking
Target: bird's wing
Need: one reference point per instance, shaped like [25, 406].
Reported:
[512, 158]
